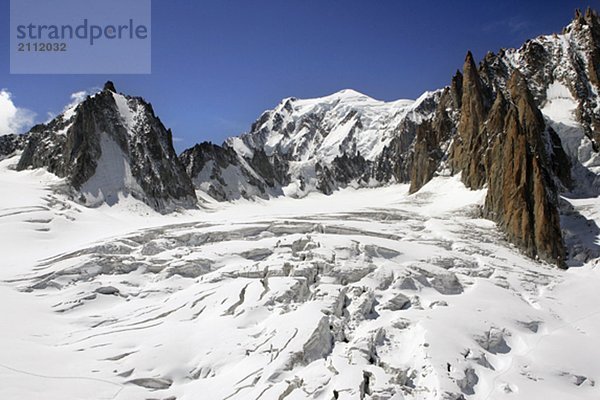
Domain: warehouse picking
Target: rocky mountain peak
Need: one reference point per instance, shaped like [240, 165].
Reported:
[522, 196]
[517, 86]
[532, 120]
[110, 146]
[109, 86]
[469, 63]
[467, 151]
[587, 18]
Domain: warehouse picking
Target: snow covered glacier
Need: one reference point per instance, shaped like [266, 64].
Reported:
[364, 294]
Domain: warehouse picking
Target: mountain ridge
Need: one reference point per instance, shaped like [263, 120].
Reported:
[522, 123]
[315, 145]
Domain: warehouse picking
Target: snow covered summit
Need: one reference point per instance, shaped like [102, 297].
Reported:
[305, 145]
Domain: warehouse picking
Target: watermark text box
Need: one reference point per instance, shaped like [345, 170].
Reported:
[80, 36]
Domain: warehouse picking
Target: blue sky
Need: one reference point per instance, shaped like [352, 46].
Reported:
[217, 65]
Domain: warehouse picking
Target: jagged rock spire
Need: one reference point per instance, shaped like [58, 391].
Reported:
[456, 89]
[504, 148]
[522, 197]
[109, 86]
[467, 155]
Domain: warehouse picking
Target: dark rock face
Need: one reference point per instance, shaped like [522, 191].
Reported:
[430, 149]
[587, 28]
[213, 168]
[118, 132]
[65, 155]
[109, 86]
[470, 145]
[503, 142]
[507, 148]
[394, 162]
[9, 144]
[343, 170]
[522, 196]
[272, 169]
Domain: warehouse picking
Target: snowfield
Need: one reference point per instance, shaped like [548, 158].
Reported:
[364, 294]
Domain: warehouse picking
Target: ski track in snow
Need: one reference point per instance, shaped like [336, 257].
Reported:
[365, 294]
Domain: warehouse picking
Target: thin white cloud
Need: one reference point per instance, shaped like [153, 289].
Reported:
[50, 116]
[77, 98]
[514, 25]
[13, 119]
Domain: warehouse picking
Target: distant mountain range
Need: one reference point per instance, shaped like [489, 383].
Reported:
[523, 123]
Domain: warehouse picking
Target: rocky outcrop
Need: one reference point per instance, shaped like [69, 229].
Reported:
[111, 145]
[9, 144]
[571, 59]
[226, 175]
[109, 86]
[503, 141]
[505, 147]
[522, 196]
[586, 28]
[470, 144]
[433, 138]
[427, 152]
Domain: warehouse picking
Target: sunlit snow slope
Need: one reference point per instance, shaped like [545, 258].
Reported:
[364, 294]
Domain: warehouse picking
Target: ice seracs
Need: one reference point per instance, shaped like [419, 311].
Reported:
[363, 294]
